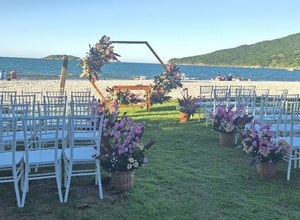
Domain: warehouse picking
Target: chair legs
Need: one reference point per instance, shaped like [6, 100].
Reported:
[67, 180]
[294, 155]
[99, 179]
[58, 181]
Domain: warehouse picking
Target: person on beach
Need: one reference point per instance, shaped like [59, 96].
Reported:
[229, 77]
[238, 78]
[13, 75]
[3, 75]
[219, 78]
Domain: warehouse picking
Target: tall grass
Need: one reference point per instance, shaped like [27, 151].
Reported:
[188, 176]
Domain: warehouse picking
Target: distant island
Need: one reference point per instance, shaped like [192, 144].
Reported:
[282, 53]
[60, 57]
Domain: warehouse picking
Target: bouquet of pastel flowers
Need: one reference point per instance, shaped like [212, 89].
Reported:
[229, 119]
[261, 143]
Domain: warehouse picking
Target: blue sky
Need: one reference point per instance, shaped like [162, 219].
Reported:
[174, 28]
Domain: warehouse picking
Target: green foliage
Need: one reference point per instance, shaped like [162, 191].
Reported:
[278, 53]
[165, 83]
[187, 103]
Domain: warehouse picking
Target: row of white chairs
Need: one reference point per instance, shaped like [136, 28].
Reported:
[257, 103]
[78, 134]
[281, 109]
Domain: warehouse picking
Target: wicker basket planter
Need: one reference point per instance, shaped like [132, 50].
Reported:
[184, 117]
[226, 139]
[123, 181]
[266, 169]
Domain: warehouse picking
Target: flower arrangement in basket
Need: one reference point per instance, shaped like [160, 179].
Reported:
[229, 119]
[188, 104]
[259, 141]
[122, 149]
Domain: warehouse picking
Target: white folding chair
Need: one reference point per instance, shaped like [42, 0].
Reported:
[56, 106]
[25, 99]
[11, 160]
[206, 94]
[6, 99]
[42, 150]
[221, 96]
[289, 130]
[38, 95]
[83, 152]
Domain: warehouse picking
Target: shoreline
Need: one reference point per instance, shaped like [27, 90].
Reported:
[192, 85]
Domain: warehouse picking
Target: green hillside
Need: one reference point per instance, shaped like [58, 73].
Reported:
[279, 53]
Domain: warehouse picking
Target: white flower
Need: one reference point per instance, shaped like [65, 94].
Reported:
[130, 160]
[129, 166]
[135, 164]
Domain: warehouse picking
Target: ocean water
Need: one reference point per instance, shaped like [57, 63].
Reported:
[28, 68]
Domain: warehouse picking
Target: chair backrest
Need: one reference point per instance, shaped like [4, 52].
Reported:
[206, 92]
[6, 96]
[8, 141]
[247, 99]
[221, 95]
[44, 131]
[81, 93]
[28, 100]
[90, 125]
[260, 92]
[235, 90]
[82, 98]
[252, 88]
[56, 93]
[287, 120]
[6, 99]
[54, 105]
[84, 108]
[38, 95]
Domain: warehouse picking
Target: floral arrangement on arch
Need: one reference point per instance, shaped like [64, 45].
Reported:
[165, 83]
[260, 142]
[125, 97]
[229, 119]
[98, 56]
[122, 149]
[103, 52]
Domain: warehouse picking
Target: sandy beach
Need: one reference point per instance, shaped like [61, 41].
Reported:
[192, 85]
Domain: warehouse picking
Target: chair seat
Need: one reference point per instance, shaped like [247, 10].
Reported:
[6, 158]
[19, 136]
[283, 127]
[81, 154]
[46, 156]
[61, 135]
[85, 135]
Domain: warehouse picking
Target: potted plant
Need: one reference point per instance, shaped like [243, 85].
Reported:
[187, 106]
[122, 150]
[266, 151]
[228, 121]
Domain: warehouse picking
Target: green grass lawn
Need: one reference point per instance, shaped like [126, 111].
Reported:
[188, 176]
